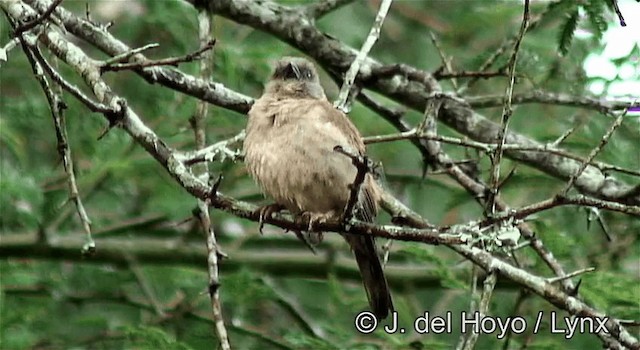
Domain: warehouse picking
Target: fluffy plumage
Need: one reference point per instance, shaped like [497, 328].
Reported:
[291, 133]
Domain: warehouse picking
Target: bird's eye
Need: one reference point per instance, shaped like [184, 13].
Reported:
[308, 75]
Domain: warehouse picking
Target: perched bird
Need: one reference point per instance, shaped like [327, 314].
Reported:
[289, 150]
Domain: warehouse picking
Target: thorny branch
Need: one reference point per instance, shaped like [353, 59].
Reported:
[166, 156]
[335, 56]
[57, 107]
[506, 114]
[201, 170]
[170, 61]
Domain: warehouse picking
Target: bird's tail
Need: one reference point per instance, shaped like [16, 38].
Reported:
[375, 283]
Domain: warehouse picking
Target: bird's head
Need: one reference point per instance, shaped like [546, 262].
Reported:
[295, 77]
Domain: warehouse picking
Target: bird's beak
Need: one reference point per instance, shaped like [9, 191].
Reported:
[296, 71]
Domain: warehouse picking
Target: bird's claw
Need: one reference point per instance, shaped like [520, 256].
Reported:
[266, 212]
[314, 219]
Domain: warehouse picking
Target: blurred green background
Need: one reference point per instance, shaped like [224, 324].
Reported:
[294, 300]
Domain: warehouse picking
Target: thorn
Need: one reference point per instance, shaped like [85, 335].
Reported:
[574, 292]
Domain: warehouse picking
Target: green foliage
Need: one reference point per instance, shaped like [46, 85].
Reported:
[59, 300]
[568, 29]
[20, 198]
[617, 294]
[441, 267]
[596, 15]
[151, 338]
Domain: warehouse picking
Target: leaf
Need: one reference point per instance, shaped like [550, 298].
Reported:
[566, 34]
[595, 14]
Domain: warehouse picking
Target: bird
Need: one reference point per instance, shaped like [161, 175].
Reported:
[292, 135]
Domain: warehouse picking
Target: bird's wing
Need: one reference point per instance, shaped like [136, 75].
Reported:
[368, 196]
[342, 122]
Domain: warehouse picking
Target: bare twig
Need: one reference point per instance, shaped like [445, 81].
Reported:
[343, 102]
[335, 55]
[171, 61]
[488, 286]
[165, 155]
[446, 62]
[208, 154]
[473, 307]
[201, 171]
[8, 47]
[603, 141]
[57, 107]
[31, 24]
[73, 90]
[467, 74]
[571, 275]
[490, 147]
[320, 8]
[546, 97]
[126, 55]
[522, 296]
[506, 114]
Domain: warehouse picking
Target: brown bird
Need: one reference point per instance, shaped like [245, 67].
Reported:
[289, 150]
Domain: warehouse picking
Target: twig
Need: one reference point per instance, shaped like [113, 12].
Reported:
[488, 286]
[74, 91]
[546, 97]
[466, 336]
[8, 47]
[591, 212]
[467, 74]
[323, 7]
[294, 309]
[209, 153]
[31, 24]
[490, 147]
[65, 151]
[343, 102]
[126, 55]
[501, 49]
[617, 10]
[603, 141]
[446, 61]
[57, 107]
[145, 286]
[570, 275]
[201, 171]
[362, 166]
[171, 61]
[579, 200]
[522, 296]
[506, 114]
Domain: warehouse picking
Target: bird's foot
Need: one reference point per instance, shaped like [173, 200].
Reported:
[266, 211]
[315, 218]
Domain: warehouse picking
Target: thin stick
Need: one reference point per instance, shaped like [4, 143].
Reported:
[343, 102]
[201, 171]
[506, 113]
[605, 139]
[31, 24]
[571, 275]
[57, 107]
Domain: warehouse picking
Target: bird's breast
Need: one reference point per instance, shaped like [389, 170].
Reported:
[294, 163]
